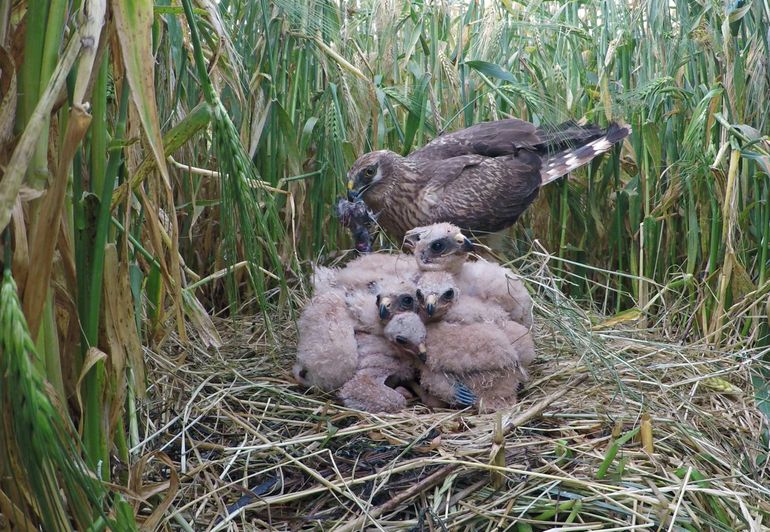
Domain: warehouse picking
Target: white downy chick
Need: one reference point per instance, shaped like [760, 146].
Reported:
[384, 360]
[439, 247]
[489, 360]
[496, 284]
[327, 351]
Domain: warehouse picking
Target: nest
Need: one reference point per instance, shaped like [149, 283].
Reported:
[616, 430]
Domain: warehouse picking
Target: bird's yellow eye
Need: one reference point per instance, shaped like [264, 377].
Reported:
[369, 172]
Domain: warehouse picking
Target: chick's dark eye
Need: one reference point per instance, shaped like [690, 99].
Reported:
[420, 297]
[407, 302]
[448, 295]
[401, 340]
[437, 246]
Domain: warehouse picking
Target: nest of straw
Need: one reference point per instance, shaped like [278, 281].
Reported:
[616, 430]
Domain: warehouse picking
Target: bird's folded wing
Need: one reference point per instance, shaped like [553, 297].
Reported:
[439, 174]
[491, 139]
[492, 194]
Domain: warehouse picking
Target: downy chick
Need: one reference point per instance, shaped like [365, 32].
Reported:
[436, 293]
[439, 299]
[405, 329]
[385, 360]
[439, 247]
[489, 361]
[393, 301]
[475, 344]
[495, 284]
[442, 247]
[327, 349]
[365, 273]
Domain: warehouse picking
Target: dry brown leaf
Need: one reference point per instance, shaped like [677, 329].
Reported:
[112, 333]
[201, 320]
[25, 148]
[45, 231]
[27, 194]
[93, 355]
[133, 22]
[15, 515]
[142, 491]
[21, 247]
[120, 324]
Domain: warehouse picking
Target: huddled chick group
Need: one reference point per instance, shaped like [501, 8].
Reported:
[385, 322]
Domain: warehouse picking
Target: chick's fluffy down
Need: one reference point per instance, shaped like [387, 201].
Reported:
[466, 347]
[327, 352]
[495, 284]
[378, 361]
[489, 359]
[495, 390]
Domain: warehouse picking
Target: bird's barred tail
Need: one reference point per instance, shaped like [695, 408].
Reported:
[563, 162]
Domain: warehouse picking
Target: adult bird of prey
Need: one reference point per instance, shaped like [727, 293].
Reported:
[480, 178]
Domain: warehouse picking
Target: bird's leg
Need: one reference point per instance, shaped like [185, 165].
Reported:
[401, 386]
[405, 392]
[429, 400]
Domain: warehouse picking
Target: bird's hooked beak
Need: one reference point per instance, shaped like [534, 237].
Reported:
[465, 244]
[430, 304]
[383, 306]
[422, 352]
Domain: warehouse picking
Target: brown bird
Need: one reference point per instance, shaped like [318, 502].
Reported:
[480, 178]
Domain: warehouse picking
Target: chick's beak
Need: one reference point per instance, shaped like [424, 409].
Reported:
[422, 352]
[384, 312]
[430, 304]
[463, 242]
